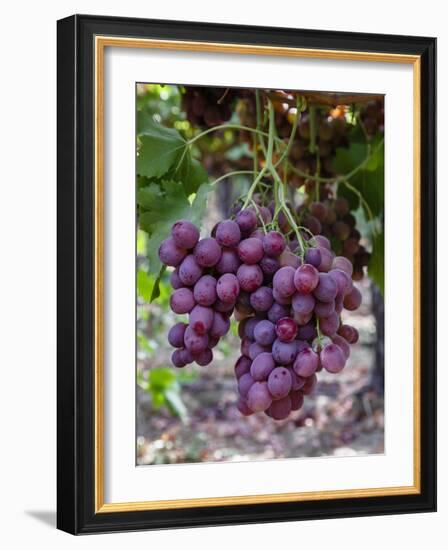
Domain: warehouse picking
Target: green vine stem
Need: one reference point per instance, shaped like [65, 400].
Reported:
[362, 201]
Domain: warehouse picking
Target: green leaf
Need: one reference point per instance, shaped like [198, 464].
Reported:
[191, 173]
[144, 285]
[161, 378]
[160, 149]
[175, 403]
[155, 293]
[369, 180]
[376, 263]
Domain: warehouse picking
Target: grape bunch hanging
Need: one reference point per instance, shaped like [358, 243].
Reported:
[289, 307]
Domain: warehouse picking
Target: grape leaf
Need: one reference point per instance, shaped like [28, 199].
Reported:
[369, 180]
[144, 285]
[160, 149]
[191, 173]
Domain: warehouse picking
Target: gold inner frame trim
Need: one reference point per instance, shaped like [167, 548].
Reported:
[101, 42]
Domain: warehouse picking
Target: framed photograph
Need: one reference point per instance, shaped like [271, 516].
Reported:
[246, 274]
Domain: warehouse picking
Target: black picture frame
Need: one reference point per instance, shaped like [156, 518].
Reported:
[76, 254]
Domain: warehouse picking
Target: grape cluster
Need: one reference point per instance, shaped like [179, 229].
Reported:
[288, 307]
[332, 219]
[206, 107]
[372, 117]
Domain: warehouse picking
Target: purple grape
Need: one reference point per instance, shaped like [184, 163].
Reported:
[303, 303]
[340, 230]
[321, 242]
[324, 309]
[243, 407]
[284, 353]
[170, 254]
[313, 257]
[318, 210]
[228, 288]
[353, 299]
[302, 319]
[284, 301]
[185, 234]
[332, 358]
[274, 243]
[182, 300]
[279, 382]
[307, 332]
[242, 366]
[283, 281]
[329, 325]
[306, 363]
[223, 307]
[204, 358]
[213, 341]
[243, 302]
[245, 346]
[301, 345]
[258, 397]
[186, 355]
[269, 266]
[176, 335]
[341, 206]
[342, 280]
[264, 332]
[326, 290]
[342, 263]
[297, 381]
[228, 233]
[286, 329]
[244, 384]
[280, 409]
[220, 326]
[296, 400]
[229, 262]
[306, 278]
[339, 303]
[250, 277]
[342, 343]
[265, 214]
[194, 342]
[189, 271]
[205, 291]
[349, 333]
[261, 299]
[313, 224]
[177, 359]
[310, 384]
[249, 327]
[326, 260]
[277, 311]
[255, 349]
[257, 234]
[175, 280]
[250, 251]
[201, 319]
[207, 252]
[247, 220]
[262, 366]
[288, 259]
